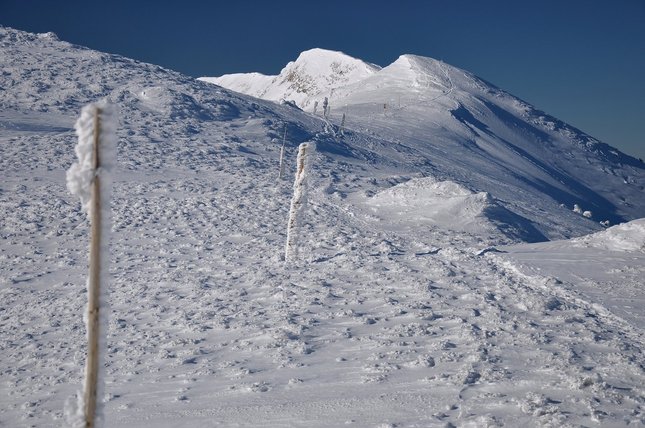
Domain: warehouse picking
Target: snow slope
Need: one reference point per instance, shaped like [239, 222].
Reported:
[377, 322]
[605, 268]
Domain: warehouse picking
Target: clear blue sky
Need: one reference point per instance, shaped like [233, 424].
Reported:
[582, 61]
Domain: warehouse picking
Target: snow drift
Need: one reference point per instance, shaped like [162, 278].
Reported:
[423, 202]
[623, 237]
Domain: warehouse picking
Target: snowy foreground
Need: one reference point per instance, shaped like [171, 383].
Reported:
[414, 300]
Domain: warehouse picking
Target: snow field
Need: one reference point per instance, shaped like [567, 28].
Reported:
[375, 323]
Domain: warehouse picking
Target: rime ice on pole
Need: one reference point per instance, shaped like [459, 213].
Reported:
[80, 178]
[81, 174]
[299, 199]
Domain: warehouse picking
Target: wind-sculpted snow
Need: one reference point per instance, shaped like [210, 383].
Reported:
[420, 202]
[394, 316]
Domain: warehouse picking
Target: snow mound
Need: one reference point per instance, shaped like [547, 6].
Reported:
[415, 191]
[445, 204]
[448, 205]
[442, 203]
[623, 237]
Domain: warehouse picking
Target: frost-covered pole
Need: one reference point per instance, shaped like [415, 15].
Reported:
[297, 201]
[284, 139]
[94, 286]
[89, 179]
[325, 108]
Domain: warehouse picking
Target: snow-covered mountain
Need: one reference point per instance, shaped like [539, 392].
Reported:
[403, 307]
[448, 123]
[311, 77]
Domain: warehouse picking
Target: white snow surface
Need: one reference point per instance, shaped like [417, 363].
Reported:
[392, 315]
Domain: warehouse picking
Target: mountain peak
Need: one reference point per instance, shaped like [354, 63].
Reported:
[323, 53]
[317, 72]
[441, 73]
[325, 58]
[423, 65]
[314, 74]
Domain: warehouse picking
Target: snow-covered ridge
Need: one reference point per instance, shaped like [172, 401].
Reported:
[471, 131]
[319, 73]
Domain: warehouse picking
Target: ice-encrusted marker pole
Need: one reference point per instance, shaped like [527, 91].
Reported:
[94, 288]
[298, 200]
[89, 179]
[284, 139]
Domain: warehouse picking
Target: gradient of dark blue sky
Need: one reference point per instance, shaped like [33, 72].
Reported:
[582, 61]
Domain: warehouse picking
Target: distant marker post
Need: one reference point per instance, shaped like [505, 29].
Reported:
[284, 139]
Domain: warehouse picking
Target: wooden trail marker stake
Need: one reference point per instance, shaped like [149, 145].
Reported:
[91, 369]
